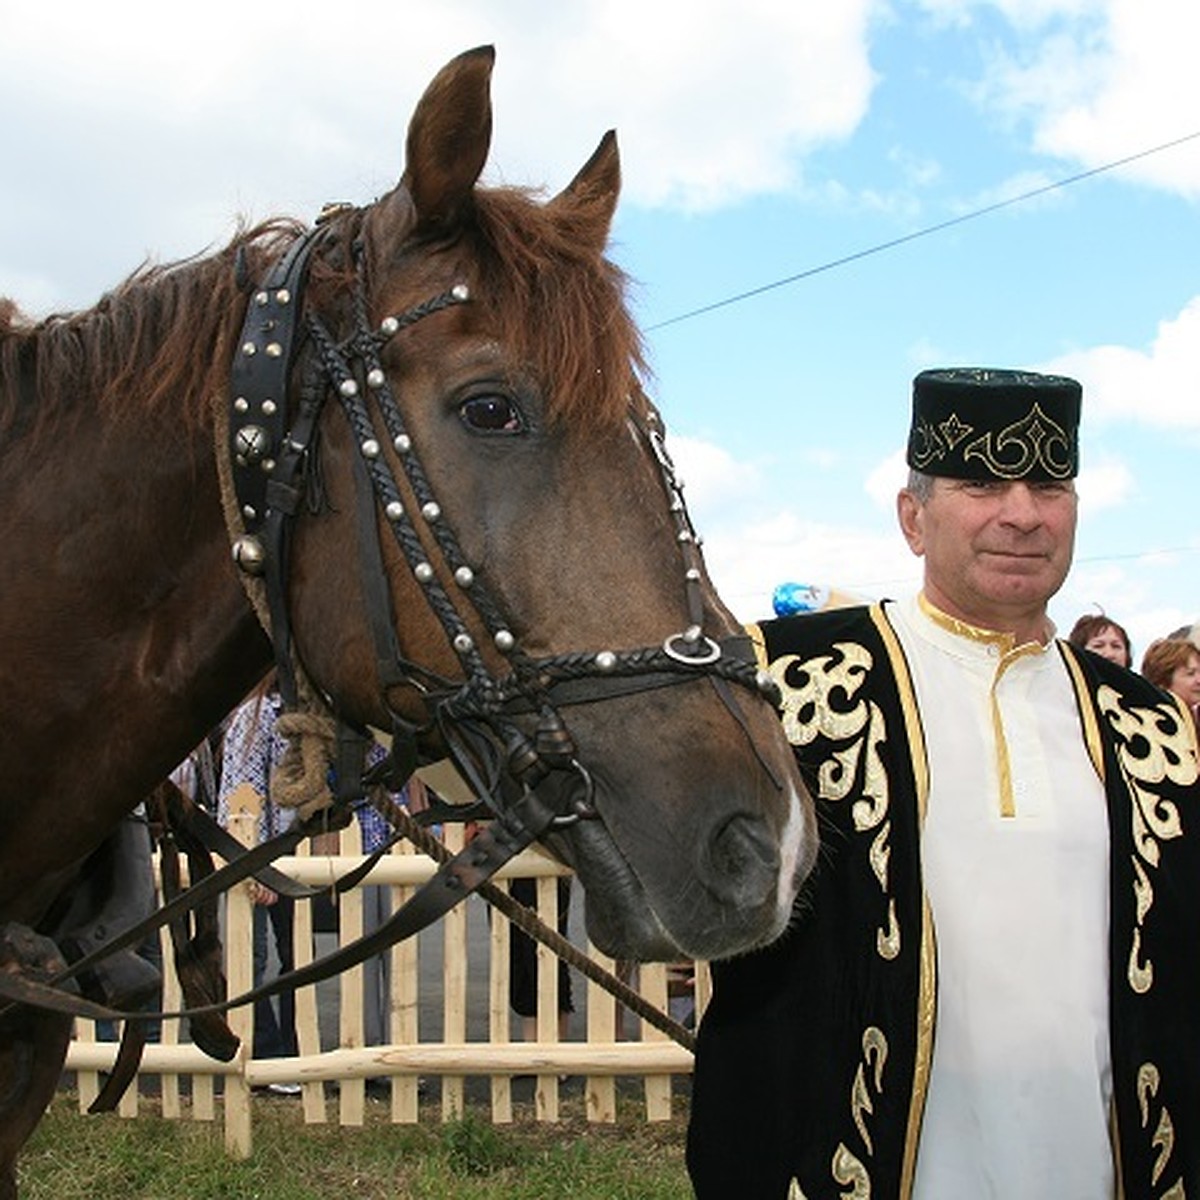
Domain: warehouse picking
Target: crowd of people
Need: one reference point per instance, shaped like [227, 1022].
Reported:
[1171, 662]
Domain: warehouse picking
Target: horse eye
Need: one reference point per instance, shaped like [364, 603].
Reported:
[491, 414]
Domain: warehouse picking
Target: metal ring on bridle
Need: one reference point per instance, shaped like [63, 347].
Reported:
[582, 807]
[692, 655]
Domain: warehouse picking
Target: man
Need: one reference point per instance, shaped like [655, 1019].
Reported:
[1009, 862]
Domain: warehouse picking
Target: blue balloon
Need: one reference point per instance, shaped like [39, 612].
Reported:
[789, 599]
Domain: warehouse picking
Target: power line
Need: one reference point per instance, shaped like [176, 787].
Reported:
[920, 233]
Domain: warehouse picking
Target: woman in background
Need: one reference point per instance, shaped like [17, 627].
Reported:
[1174, 664]
[1102, 635]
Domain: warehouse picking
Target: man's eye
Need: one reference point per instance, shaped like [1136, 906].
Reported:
[491, 414]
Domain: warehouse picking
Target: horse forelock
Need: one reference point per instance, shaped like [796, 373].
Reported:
[559, 305]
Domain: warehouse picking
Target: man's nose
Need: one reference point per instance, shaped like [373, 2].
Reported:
[1020, 507]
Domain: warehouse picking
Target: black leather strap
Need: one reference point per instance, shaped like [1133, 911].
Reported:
[260, 372]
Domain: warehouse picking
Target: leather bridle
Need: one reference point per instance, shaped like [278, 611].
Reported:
[272, 452]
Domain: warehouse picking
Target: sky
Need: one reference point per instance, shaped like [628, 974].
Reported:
[819, 201]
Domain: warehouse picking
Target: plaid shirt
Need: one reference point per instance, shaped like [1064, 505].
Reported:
[251, 750]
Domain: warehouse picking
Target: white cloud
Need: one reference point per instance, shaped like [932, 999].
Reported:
[886, 480]
[1101, 80]
[748, 560]
[711, 476]
[1159, 387]
[713, 98]
[1107, 484]
[752, 546]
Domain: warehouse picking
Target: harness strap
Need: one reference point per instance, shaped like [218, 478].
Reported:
[129, 1058]
[499, 842]
[213, 837]
[249, 862]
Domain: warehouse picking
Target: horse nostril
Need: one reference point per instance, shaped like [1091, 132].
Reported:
[740, 863]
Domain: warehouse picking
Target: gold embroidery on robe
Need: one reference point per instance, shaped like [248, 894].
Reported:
[875, 1052]
[858, 728]
[849, 1171]
[1163, 1138]
[1153, 746]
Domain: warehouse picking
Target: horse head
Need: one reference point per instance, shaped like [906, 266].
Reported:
[518, 582]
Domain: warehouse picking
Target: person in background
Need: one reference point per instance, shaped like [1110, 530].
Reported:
[1173, 664]
[989, 986]
[250, 750]
[1102, 635]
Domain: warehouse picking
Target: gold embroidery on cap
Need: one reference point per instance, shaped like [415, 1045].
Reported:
[1021, 447]
[954, 430]
[926, 444]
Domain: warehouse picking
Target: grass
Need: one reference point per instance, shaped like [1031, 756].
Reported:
[78, 1157]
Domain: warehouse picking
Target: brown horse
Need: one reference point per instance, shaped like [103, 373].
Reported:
[513, 367]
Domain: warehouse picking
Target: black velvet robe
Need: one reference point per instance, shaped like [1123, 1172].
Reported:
[813, 1058]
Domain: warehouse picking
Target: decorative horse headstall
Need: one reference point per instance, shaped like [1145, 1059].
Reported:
[270, 449]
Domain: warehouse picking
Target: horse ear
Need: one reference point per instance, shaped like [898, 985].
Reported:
[448, 140]
[590, 199]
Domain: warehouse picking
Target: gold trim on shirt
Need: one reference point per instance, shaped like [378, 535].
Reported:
[1009, 653]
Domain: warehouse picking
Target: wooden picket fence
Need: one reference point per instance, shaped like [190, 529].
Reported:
[470, 1043]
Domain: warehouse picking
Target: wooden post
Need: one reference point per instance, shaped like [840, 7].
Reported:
[600, 1096]
[499, 1017]
[454, 976]
[352, 1093]
[405, 991]
[245, 806]
[172, 1109]
[545, 1096]
[653, 985]
[87, 1082]
[308, 1027]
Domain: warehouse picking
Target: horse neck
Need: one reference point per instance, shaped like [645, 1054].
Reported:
[126, 632]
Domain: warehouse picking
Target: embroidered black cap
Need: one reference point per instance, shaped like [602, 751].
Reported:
[982, 423]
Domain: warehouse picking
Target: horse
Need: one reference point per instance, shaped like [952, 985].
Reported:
[482, 529]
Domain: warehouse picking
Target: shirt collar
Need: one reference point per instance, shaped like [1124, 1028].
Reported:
[992, 642]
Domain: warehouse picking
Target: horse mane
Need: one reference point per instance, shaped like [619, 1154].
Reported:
[164, 332]
[167, 330]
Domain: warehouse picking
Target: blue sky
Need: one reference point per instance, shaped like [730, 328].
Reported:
[761, 139]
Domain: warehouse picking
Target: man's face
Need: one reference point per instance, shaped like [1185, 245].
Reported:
[995, 552]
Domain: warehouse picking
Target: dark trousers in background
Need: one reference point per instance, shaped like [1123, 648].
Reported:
[274, 1016]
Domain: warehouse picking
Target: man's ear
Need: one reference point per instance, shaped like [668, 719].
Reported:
[911, 513]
